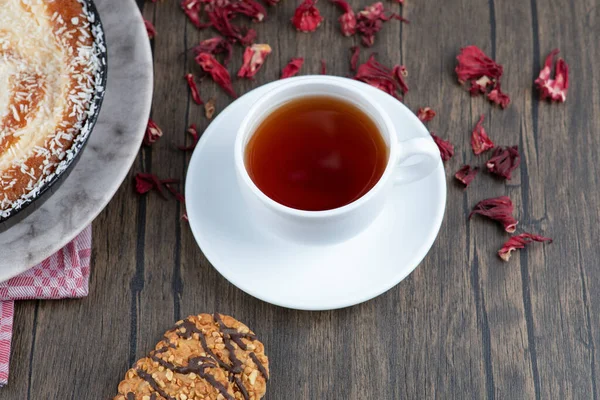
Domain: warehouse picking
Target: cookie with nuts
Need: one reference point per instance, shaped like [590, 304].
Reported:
[204, 357]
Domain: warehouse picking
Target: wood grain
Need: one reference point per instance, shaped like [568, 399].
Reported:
[464, 325]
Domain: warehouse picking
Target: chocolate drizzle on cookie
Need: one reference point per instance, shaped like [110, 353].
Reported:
[148, 378]
[259, 365]
[130, 396]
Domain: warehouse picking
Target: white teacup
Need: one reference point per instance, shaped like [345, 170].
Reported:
[331, 226]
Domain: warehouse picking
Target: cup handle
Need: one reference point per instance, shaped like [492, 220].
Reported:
[430, 159]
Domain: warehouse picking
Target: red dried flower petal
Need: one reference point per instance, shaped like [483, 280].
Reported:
[147, 182]
[480, 142]
[323, 67]
[376, 75]
[504, 160]
[153, 133]
[425, 114]
[499, 209]
[519, 242]
[400, 72]
[466, 174]
[292, 68]
[195, 137]
[250, 8]
[446, 148]
[215, 45]
[370, 21]
[192, 9]
[307, 17]
[218, 72]
[209, 108]
[254, 57]
[144, 183]
[482, 72]
[193, 88]
[474, 64]
[150, 29]
[497, 96]
[354, 57]
[554, 89]
[175, 193]
[348, 19]
[220, 19]
[480, 85]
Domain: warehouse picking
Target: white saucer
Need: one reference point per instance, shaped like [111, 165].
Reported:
[295, 275]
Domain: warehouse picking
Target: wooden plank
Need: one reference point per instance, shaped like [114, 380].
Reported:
[158, 262]
[562, 202]
[510, 367]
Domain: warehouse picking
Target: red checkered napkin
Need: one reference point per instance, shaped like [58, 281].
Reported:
[62, 275]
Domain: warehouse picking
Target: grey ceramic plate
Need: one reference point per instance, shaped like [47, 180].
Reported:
[109, 153]
[54, 181]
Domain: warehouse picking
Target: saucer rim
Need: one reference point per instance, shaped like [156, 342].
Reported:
[419, 253]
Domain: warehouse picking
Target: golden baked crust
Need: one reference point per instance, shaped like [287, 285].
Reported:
[194, 361]
[49, 73]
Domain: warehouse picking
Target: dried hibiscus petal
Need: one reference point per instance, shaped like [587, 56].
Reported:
[254, 57]
[480, 141]
[218, 72]
[175, 193]
[348, 19]
[480, 85]
[354, 57]
[499, 209]
[381, 77]
[307, 17]
[482, 72]
[153, 133]
[220, 19]
[215, 45]
[400, 72]
[147, 182]
[370, 21]
[180, 198]
[497, 96]
[473, 64]
[446, 148]
[554, 89]
[192, 9]
[150, 29]
[466, 174]
[250, 8]
[292, 68]
[425, 114]
[519, 242]
[193, 88]
[323, 67]
[504, 161]
[195, 137]
[209, 108]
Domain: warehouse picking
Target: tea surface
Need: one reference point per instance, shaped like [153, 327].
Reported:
[316, 153]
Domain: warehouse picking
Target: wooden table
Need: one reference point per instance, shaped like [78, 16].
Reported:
[463, 325]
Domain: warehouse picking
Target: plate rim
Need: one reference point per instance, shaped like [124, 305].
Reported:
[420, 252]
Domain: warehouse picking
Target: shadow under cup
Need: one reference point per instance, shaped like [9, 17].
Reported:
[323, 226]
